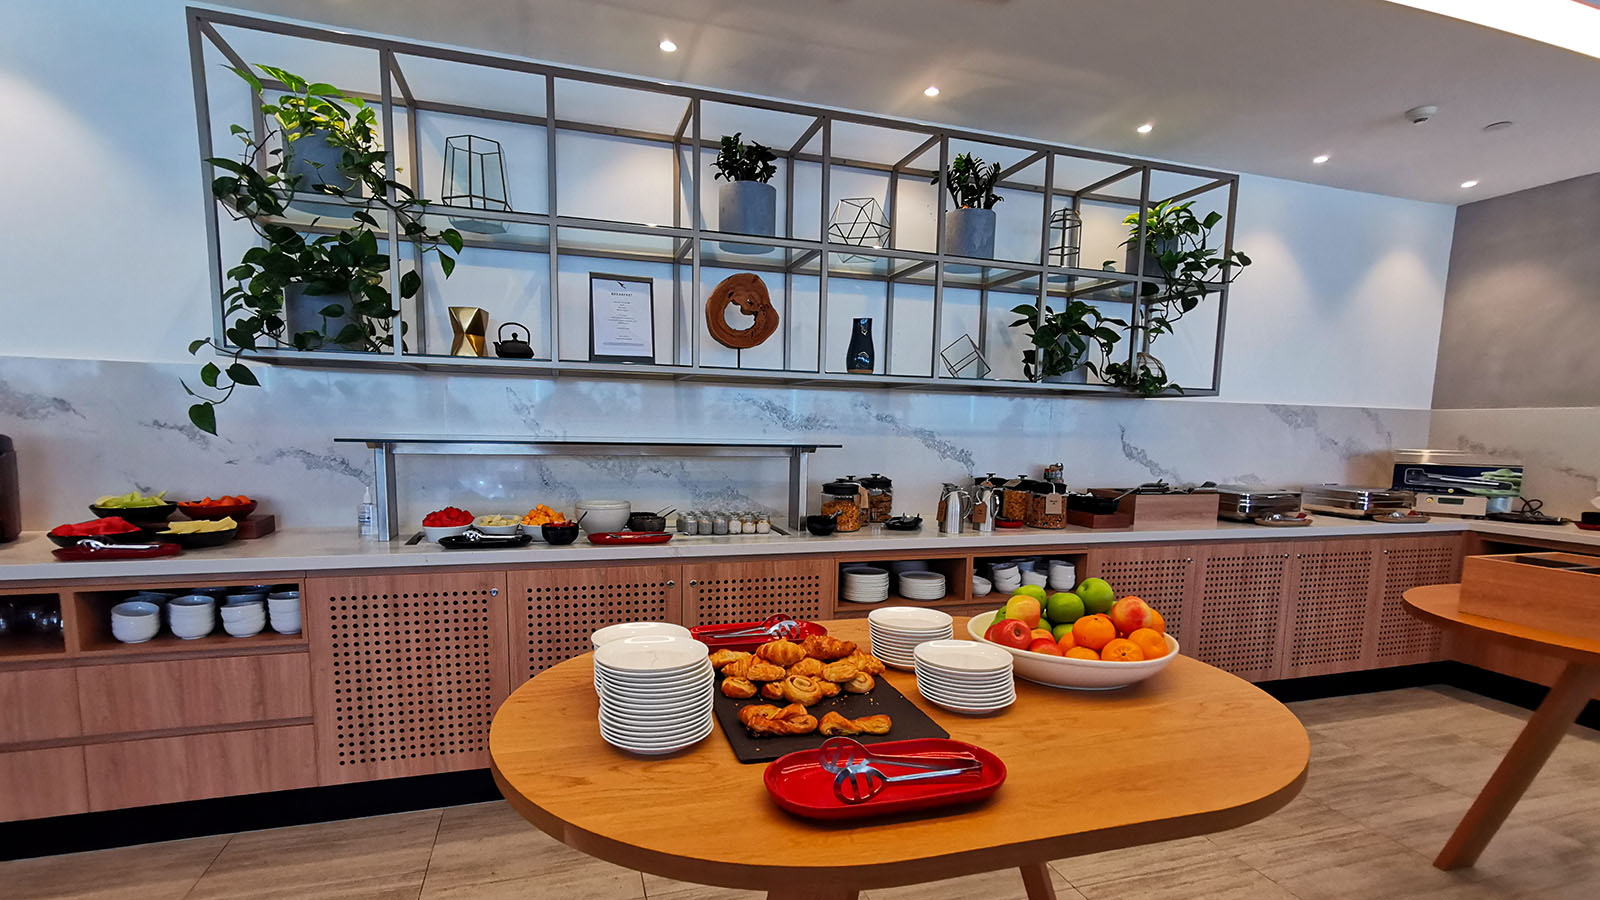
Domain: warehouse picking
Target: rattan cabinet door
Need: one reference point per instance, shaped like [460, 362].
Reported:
[1243, 592]
[1165, 576]
[1334, 594]
[1398, 638]
[553, 611]
[753, 590]
[407, 671]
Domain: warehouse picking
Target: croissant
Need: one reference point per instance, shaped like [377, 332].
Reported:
[840, 670]
[807, 666]
[866, 662]
[834, 724]
[829, 688]
[723, 657]
[762, 670]
[802, 689]
[738, 688]
[860, 684]
[827, 647]
[739, 668]
[784, 653]
[772, 690]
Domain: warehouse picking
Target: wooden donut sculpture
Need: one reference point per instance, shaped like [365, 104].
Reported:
[749, 292]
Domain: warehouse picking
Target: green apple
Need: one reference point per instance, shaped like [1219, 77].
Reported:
[1064, 607]
[1029, 590]
[1097, 595]
[1060, 630]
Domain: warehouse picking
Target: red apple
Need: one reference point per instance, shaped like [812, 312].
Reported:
[1009, 633]
[1045, 646]
[1131, 614]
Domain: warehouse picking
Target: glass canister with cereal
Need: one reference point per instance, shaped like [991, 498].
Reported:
[1014, 497]
[880, 497]
[844, 499]
[1047, 505]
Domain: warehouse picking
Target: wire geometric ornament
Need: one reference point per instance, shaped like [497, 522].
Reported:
[963, 359]
[475, 177]
[859, 222]
[1066, 226]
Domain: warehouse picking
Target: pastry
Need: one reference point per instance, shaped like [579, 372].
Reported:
[784, 653]
[835, 724]
[839, 670]
[738, 688]
[772, 690]
[802, 689]
[723, 657]
[739, 668]
[764, 718]
[826, 647]
[807, 666]
[762, 670]
[829, 688]
[866, 662]
[861, 684]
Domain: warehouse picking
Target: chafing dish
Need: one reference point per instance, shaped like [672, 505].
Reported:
[1244, 504]
[1353, 500]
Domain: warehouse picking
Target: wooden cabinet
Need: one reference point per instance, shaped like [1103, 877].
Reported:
[553, 611]
[45, 782]
[1166, 576]
[197, 766]
[1243, 589]
[751, 590]
[1400, 638]
[194, 693]
[38, 705]
[1333, 598]
[407, 671]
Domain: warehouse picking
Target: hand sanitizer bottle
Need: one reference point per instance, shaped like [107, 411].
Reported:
[367, 517]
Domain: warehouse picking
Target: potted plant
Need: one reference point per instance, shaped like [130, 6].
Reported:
[747, 204]
[969, 228]
[294, 290]
[1062, 341]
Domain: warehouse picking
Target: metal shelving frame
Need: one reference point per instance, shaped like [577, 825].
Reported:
[690, 241]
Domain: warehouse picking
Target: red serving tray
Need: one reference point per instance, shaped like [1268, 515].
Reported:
[799, 784]
[630, 537]
[706, 634]
[84, 554]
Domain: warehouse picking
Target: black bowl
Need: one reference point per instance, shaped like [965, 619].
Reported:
[198, 540]
[641, 521]
[137, 536]
[559, 535]
[138, 515]
[904, 523]
[821, 526]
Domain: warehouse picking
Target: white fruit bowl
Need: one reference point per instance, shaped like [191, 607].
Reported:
[1078, 674]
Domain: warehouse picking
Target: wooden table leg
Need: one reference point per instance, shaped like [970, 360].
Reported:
[800, 893]
[1036, 878]
[1523, 761]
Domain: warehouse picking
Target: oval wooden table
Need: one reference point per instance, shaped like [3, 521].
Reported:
[1191, 751]
[1579, 680]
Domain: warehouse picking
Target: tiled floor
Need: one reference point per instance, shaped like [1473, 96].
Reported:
[1391, 774]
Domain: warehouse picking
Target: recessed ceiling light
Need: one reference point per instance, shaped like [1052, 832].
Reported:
[1146, 128]
[930, 91]
[1470, 183]
[1320, 159]
[668, 46]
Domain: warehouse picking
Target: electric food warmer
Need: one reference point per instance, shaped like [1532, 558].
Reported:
[1457, 482]
[1353, 500]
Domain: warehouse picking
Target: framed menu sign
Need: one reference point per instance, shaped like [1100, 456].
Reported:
[622, 318]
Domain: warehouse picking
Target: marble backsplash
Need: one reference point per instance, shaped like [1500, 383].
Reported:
[1559, 446]
[85, 428]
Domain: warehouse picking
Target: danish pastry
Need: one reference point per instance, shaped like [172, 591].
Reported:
[802, 689]
[764, 718]
[829, 688]
[723, 657]
[839, 670]
[762, 670]
[834, 724]
[807, 666]
[826, 647]
[772, 690]
[782, 652]
[861, 684]
[738, 688]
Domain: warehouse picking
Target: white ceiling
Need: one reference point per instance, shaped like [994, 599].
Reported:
[1248, 85]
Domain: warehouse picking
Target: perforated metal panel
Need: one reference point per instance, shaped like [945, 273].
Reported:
[1163, 577]
[1241, 607]
[748, 591]
[553, 612]
[1332, 603]
[408, 672]
[1403, 639]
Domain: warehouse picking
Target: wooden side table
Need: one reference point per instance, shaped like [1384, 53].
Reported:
[1440, 603]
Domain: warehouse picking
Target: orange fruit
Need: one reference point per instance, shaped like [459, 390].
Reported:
[1152, 643]
[1066, 643]
[1094, 631]
[1122, 650]
[1157, 624]
[1082, 653]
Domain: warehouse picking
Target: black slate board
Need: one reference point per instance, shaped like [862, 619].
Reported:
[909, 722]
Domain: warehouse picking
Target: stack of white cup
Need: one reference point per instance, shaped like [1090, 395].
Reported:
[283, 607]
[243, 617]
[193, 616]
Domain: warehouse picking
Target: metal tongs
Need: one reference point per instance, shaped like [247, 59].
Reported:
[857, 780]
[781, 625]
[473, 536]
[92, 544]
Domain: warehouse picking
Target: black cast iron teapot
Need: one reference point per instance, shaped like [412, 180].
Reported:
[513, 347]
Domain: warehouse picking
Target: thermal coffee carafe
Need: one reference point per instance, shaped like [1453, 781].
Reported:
[10, 501]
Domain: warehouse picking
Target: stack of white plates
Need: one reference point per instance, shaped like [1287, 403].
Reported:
[897, 630]
[965, 676]
[922, 585]
[1006, 577]
[864, 584]
[655, 693]
[622, 630]
[1063, 575]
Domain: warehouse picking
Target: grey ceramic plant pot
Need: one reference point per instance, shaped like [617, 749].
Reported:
[318, 162]
[747, 207]
[1079, 375]
[302, 312]
[969, 231]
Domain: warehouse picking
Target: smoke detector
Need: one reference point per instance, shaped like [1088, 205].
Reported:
[1416, 115]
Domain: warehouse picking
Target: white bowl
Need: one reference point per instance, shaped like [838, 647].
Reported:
[600, 516]
[632, 629]
[513, 528]
[189, 629]
[136, 609]
[435, 532]
[244, 627]
[284, 596]
[285, 624]
[1080, 674]
[1036, 578]
[133, 623]
[981, 586]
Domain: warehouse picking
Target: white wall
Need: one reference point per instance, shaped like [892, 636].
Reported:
[106, 256]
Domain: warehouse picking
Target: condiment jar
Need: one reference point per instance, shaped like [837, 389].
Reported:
[1047, 505]
[763, 524]
[1014, 497]
[846, 498]
[880, 497]
[719, 524]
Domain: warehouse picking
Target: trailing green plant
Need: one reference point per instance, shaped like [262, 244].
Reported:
[738, 161]
[1062, 341]
[1180, 243]
[971, 183]
[346, 266]
[1144, 380]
